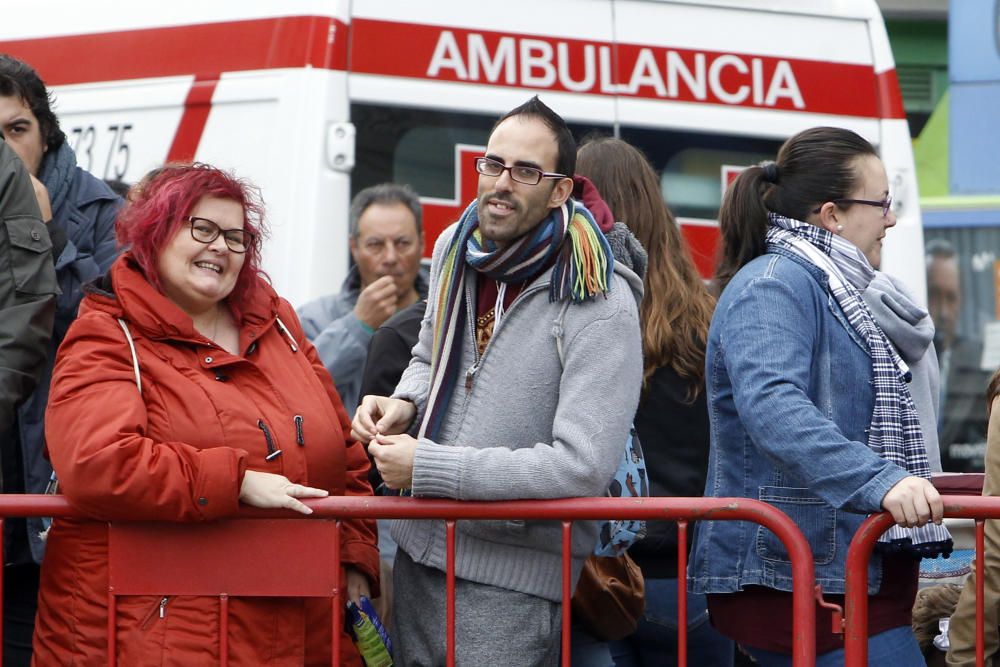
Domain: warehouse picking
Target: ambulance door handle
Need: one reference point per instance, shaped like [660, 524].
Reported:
[340, 146]
[900, 193]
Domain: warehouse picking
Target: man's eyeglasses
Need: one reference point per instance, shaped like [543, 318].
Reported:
[205, 231]
[885, 204]
[520, 173]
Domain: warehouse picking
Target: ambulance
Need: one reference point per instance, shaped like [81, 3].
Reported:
[316, 99]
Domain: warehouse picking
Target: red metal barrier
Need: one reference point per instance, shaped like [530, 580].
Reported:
[859, 553]
[682, 510]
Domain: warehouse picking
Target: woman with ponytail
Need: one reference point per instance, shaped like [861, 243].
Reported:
[809, 404]
[672, 419]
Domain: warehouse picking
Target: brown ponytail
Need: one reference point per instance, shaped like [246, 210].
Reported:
[813, 167]
[743, 223]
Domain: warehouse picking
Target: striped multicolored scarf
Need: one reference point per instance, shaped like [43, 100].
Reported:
[895, 427]
[582, 270]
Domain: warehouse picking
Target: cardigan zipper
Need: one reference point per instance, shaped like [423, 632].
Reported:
[470, 374]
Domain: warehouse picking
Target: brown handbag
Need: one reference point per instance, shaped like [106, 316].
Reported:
[610, 596]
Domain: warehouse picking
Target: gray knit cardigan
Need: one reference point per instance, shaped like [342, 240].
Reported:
[523, 426]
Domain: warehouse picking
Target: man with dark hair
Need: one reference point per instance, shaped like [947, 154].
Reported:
[387, 241]
[962, 429]
[83, 245]
[523, 384]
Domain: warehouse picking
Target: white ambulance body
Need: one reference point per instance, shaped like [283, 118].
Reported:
[314, 100]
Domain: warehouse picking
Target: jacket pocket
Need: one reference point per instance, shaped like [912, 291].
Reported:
[142, 630]
[816, 519]
[30, 256]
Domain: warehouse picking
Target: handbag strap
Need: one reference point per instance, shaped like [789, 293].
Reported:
[135, 358]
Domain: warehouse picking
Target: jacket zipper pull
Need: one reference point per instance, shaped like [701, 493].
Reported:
[288, 336]
[272, 453]
[152, 613]
[299, 437]
[469, 375]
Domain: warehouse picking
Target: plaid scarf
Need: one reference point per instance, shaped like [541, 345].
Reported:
[582, 271]
[895, 427]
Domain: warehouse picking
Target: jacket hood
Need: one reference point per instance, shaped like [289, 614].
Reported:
[125, 292]
[907, 325]
[586, 193]
[627, 249]
[633, 280]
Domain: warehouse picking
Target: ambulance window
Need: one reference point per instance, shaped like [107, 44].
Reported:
[692, 179]
[421, 161]
[963, 285]
[690, 164]
[414, 146]
[417, 146]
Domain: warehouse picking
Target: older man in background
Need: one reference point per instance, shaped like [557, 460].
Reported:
[386, 244]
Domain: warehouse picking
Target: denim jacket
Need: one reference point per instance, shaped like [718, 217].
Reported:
[790, 399]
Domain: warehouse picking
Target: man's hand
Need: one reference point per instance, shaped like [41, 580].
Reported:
[913, 501]
[264, 489]
[381, 414]
[377, 302]
[393, 456]
[42, 195]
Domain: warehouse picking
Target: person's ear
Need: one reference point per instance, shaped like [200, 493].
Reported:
[353, 244]
[561, 192]
[829, 218]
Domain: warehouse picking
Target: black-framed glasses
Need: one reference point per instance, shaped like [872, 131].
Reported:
[205, 231]
[885, 204]
[520, 173]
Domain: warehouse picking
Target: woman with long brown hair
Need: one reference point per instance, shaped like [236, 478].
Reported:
[672, 419]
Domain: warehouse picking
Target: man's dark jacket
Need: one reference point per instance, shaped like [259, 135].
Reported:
[83, 219]
[27, 287]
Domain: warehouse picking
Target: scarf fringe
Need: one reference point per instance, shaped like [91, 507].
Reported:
[928, 541]
[583, 270]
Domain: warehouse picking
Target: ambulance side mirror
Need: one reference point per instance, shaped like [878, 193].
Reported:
[340, 146]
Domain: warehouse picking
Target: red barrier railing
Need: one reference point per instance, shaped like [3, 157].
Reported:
[860, 551]
[132, 538]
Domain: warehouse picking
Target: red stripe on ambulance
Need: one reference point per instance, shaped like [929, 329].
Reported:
[196, 108]
[890, 100]
[632, 70]
[230, 46]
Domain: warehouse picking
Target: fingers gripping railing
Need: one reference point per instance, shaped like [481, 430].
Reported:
[860, 551]
[681, 510]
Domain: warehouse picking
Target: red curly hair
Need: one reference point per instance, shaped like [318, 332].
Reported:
[161, 200]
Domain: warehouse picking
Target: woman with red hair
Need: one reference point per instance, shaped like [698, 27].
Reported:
[184, 388]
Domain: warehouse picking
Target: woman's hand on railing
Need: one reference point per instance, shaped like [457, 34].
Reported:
[264, 489]
[913, 501]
